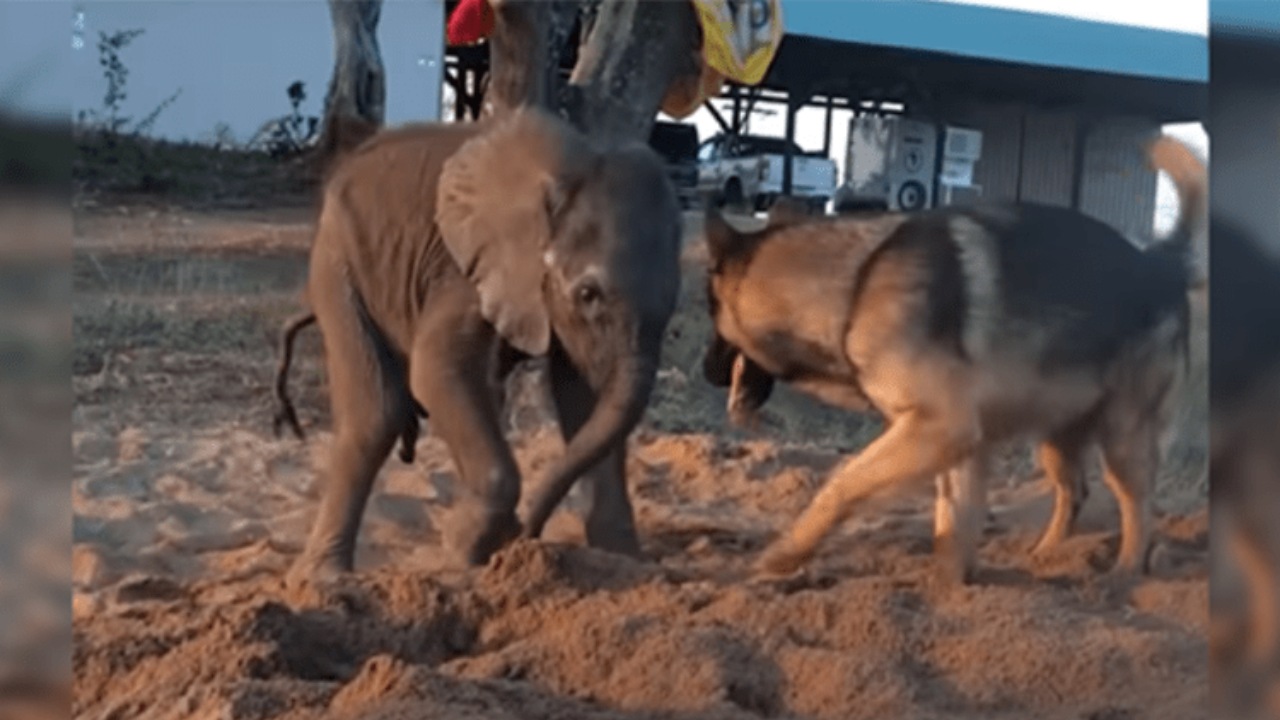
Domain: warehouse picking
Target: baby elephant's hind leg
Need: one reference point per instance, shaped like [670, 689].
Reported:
[366, 387]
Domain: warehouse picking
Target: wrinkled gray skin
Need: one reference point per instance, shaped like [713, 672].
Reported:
[443, 255]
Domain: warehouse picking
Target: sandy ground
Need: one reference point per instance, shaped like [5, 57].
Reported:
[187, 510]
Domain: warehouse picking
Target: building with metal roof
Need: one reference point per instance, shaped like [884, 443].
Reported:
[1064, 106]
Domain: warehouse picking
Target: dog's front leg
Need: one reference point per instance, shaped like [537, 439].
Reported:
[917, 444]
[960, 509]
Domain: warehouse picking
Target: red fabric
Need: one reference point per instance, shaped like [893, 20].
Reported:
[471, 21]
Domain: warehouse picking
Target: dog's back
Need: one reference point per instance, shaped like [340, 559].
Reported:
[1082, 286]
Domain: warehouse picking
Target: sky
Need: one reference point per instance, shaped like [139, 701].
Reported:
[1190, 16]
[231, 60]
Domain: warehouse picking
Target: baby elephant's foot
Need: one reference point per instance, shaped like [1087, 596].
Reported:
[782, 558]
[614, 538]
[476, 534]
[312, 573]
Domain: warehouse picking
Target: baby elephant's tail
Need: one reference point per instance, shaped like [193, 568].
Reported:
[285, 413]
[1191, 180]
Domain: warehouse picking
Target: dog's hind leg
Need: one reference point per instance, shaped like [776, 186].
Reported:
[1131, 434]
[1062, 457]
[1130, 461]
[1134, 431]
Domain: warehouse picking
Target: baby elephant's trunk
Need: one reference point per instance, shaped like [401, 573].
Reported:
[618, 410]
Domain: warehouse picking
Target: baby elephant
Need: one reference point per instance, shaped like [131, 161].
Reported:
[963, 328]
[446, 253]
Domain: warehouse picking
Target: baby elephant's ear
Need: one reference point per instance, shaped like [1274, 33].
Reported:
[492, 212]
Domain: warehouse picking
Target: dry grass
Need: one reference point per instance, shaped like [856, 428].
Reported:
[110, 167]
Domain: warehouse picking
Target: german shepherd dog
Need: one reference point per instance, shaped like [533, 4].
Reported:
[964, 328]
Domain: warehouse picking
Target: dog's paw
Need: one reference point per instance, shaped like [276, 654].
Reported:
[781, 560]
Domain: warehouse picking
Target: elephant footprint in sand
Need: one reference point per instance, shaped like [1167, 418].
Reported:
[445, 254]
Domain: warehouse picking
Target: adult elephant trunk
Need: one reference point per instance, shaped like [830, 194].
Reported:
[618, 410]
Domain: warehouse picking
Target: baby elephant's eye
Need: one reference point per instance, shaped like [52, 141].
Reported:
[587, 293]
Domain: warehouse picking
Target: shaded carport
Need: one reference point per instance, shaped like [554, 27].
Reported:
[949, 62]
[938, 58]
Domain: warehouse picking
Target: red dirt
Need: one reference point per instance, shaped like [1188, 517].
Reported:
[187, 512]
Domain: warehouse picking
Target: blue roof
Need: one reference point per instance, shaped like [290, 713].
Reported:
[1005, 35]
[1255, 17]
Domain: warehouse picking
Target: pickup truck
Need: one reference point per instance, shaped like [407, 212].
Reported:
[747, 169]
[677, 143]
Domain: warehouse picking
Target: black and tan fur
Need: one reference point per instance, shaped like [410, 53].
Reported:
[966, 327]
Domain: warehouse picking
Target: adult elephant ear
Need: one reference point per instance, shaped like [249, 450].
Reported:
[497, 197]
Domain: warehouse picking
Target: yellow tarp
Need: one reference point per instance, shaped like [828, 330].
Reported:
[740, 37]
[739, 40]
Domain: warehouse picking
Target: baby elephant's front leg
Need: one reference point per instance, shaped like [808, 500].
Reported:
[450, 377]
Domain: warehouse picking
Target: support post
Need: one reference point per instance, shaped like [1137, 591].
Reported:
[1083, 127]
[715, 115]
[736, 93]
[826, 135]
[739, 128]
[793, 107]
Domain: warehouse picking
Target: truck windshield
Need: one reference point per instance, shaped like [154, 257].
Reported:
[760, 145]
[675, 142]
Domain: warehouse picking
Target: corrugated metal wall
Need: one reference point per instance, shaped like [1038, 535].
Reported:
[1048, 158]
[1030, 155]
[1001, 125]
[1117, 186]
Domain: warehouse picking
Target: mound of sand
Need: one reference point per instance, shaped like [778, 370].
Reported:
[187, 512]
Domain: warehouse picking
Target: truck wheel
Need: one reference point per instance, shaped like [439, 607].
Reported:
[818, 206]
[734, 197]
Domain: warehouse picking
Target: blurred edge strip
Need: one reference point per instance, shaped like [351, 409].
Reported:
[35, 155]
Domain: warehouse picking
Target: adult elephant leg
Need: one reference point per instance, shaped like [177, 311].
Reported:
[450, 375]
[610, 522]
[368, 402]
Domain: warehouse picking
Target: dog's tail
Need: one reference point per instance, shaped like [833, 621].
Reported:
[285, 413]
[1191, 181]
